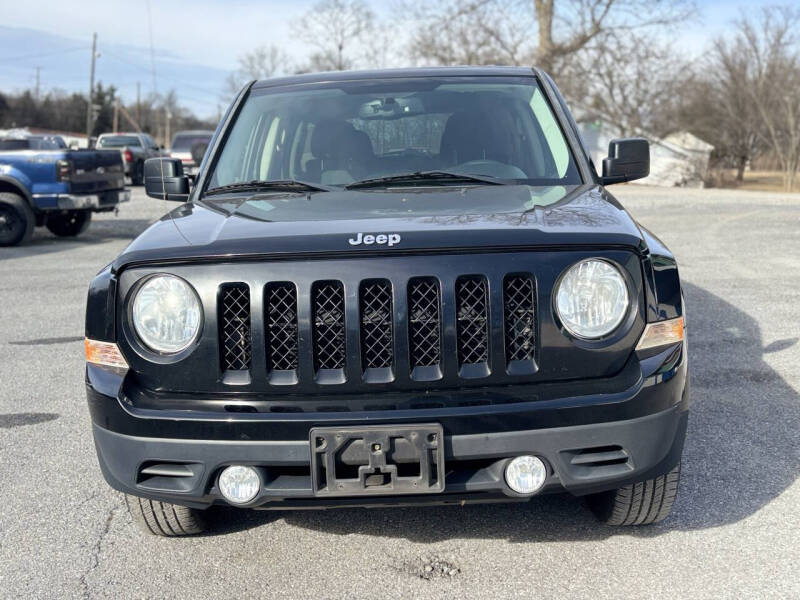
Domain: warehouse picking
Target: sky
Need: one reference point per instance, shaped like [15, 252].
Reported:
[195, 43]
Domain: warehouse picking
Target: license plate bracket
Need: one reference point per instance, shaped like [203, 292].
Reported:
[377, 460]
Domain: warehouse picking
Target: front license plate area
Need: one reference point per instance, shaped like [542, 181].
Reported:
[378, 459]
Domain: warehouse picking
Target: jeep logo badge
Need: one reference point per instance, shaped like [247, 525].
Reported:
[382, 238]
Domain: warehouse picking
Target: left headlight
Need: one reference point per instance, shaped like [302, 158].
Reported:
[166, 314]
[592, 299]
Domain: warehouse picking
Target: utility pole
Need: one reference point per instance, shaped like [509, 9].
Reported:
[37, 82]
[138, 102]
[91, 91]
[116, 115]
[168, 116]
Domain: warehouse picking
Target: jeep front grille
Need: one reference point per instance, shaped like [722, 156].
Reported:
[234, 327]
[462, 328]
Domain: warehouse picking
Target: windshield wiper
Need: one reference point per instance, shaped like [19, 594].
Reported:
[278, 185]
[434, 176]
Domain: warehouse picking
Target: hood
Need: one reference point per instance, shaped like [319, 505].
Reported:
[400, 220]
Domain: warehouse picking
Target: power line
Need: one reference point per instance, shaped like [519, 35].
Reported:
[41, 55]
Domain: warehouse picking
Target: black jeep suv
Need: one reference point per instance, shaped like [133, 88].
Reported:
[391, 287]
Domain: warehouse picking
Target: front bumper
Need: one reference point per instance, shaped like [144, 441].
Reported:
[590, 444]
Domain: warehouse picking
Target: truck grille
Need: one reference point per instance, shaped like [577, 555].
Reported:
[489, 331]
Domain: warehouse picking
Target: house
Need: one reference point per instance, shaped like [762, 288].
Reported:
[679, 159]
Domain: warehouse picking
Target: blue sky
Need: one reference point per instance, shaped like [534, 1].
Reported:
[196, 43]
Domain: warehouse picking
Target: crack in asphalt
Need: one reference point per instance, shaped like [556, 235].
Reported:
[94, 557]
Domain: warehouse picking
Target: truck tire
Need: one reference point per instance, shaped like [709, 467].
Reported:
[137, 174]
[69, 223]
[16, 219]
[640, 503]
[164, 519]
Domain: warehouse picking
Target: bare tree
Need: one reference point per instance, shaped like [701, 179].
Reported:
[629, 81]
[566, 26]
[771, 45]
[544, 32]
[337, 29]
[476, 32]
[261, 63]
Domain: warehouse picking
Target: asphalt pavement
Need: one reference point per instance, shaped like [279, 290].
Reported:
[734, 531]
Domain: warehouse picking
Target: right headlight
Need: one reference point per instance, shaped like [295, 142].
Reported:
[592, 299]
[166, 314]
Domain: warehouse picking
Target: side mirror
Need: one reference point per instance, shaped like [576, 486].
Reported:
[164, 179]
[628, 159]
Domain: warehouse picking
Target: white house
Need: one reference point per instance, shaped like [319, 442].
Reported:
[679, 159]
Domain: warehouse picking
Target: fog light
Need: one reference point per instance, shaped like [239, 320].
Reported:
[526, 474]
[239, 484]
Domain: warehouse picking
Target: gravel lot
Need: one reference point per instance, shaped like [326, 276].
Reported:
[734, 531]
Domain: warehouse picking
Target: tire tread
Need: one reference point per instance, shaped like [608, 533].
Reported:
[164, 519]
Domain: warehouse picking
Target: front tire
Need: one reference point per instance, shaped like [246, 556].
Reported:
[640, 503]
[69, 223]
[165, 519]
[16, 219]
[137, 174]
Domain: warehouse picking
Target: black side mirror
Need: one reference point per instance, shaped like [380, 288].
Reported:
[628, 159]
[164, 179]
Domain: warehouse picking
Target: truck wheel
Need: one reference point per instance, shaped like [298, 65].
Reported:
[137, 174]
[16, 219]
[640, 503]
[69, 223]
[164, 519]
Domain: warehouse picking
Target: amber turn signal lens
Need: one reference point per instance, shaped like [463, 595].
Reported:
[662, 333]
[104, 353]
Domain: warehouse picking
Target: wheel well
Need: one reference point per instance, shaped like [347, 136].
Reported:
[7, 186]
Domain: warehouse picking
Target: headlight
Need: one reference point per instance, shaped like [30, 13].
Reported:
[592, 299]
[166, 314]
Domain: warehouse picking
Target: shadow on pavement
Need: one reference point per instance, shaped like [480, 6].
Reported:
[741, 453]
[100, 231]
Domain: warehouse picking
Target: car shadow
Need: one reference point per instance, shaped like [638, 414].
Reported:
[99, 232]
[741, 453]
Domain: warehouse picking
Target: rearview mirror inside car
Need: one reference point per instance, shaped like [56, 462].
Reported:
[628, 159]
[164, 179]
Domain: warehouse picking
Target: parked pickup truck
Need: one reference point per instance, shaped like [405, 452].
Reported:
[54, 187]
[134, 148]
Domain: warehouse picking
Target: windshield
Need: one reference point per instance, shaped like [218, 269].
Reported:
[14, 145]
[185, 142]
[118, 141]
[335, 134]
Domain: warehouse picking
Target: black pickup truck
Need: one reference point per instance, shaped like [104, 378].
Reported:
[391, 287]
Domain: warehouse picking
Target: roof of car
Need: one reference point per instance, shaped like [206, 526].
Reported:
[396, 74]
[194, 132]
